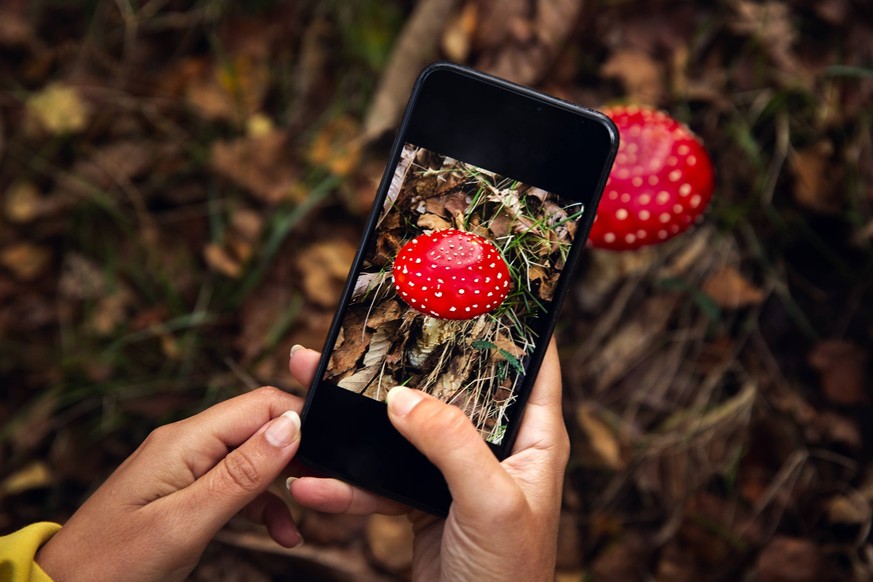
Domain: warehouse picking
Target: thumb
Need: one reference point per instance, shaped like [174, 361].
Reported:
[246, 472]
[443, 433]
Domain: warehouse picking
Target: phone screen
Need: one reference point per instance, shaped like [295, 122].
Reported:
[479, 217]
[455, 287]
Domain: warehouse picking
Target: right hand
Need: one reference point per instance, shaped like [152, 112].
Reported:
[503, 521]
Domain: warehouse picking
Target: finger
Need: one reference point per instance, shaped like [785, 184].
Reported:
[302, 364]
[269, 510]
[542, 425]
[448, 439]
[227, 424]
[335, 496]
[246, 472]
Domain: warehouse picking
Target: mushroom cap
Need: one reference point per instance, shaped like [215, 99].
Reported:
[451, 274]
[661, 182]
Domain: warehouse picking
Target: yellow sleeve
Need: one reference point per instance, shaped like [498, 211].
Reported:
[18, 550]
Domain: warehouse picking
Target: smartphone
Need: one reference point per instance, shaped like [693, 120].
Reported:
[481, 215]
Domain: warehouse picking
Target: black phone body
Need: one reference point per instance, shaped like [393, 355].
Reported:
[473, 154]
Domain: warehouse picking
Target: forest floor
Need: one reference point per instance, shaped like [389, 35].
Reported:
[184, 185]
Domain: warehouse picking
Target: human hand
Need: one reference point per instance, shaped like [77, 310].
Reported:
[154, 516]
[503, 521]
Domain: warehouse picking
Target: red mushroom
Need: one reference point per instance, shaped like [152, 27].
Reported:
[661, 182]
[451, 274]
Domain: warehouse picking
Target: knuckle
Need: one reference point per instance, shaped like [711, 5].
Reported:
[447, 419]
[160, 435]
[241, 471]
[511, 506]
[268, 392]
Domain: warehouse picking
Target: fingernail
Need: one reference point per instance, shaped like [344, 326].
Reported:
[299, 543]
[294, 349]
[284, 430]
[401, 400]
[288, 482]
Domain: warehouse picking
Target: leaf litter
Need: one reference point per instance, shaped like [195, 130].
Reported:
[157, 197]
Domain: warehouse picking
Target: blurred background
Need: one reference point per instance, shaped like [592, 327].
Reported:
[184, 185]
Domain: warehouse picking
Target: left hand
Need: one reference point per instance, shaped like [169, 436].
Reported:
[154, 516]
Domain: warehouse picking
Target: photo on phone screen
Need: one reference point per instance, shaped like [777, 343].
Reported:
[454, 287]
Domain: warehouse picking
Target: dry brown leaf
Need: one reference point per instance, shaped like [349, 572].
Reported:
[231, 91]
[770, 23]
[506, 344]
[520, 40]
[570, 543]
[22, 202]
[15, 29]
[337, 146]
[730, 290]
[59, 109]
[785, 558]
[262, 165]
[27, 261]
[458, 36]
[433, 222]
[220, 261]
[247, 223]
[34, 475]
[116, 163]
[110, 311]
[842, 368]
[641, 76]
[814, 184]
[323, 269]
[601, 437]
[389, 538]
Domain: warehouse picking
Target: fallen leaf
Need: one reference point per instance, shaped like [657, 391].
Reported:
[570, 543]
[842, 368]
[59, 109]
[730, 290]
[331, 529]
[34, 475]
[787, 559]
[641, 76]
[626, 559]
[15, 28]
[231, 90]
[457, 38]
[770, 24]
[114, 164]
[601, 437]
[526, 39]
[814, 184]
[110, 311]
[433, 222]
[27, 261]
[323, 269]
[263, 165]
[220, 261]
[81, 278]
[389, 538]
[848, 509]
[337, 146]
[22, 202]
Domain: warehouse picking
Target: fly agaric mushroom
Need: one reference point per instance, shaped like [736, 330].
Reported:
[451, 274]
[661, 182]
